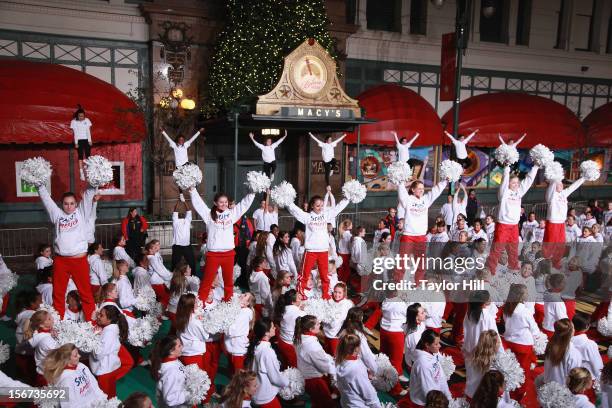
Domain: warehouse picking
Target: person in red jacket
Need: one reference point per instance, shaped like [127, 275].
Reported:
[134, 228]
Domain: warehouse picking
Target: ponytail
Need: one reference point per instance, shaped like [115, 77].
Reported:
[347, 347]
[162, 350]
[289, 298]
[184, 309]
[261, 327]
[34, 323]
[477, 301]
[235, 392]
[427, 338]
[116, 317]
[353, 324]
[302, 325]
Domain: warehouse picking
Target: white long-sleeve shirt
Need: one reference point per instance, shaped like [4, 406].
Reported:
[193, 337]
[259, 285]
[181, 229]
[287, 325]
[42, 343]
[82, 387]
[446, 211]
[258, 219]
[97, 270]
[316, 224]
[106, 360]
[327, 149]
[556, 211]
[521, 327]
[171, 384]
[284, 261]
[237, 338]
[415, 218]
[559, 372]
[473, 330]
[119, 253]
[344, 243]
[427, 375]
[269, 378]
[359, 255]
[589, 251]
[312, 361]
[158, 273]
[269, 252]
[297, 250]
[459, 207]
[81, 130]
[366, 355]
[513, 144]
[180, 151]
[554, 309]
[71, 230]
[221, 231]
[589, 352]
[43, 262]
[267, 152]
[528, 229]
[46, 292]
[141, 278]
[410, 342]
[356, 390]
[572, 232]
[509, 211]
[393, 315]
[403, 150]
[269, 219]
[460, 146]
[126, 298]
[331, 329]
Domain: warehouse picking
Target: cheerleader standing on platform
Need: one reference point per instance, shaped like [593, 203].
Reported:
[159, 275]
[460, 148]
[219, 222]
[237, 338]
[403, 147]
[561, 355]
[97, 270]
[38, 335]
[392, 336]
[71, 231]
[353, 383]
[556, 213]
[189, 329]
[259, 285]
[353, 324]
[316, 240]
[169, 372]
[241, 388]
[313, 362]
[261, 358]
[427, 373]
[44, 259]
[63, 369]
[81, 128]
[267, 153]
[287, 311]
[510, 195]
[416, 203]
[119, 252]
[327, 152]
[180, 147]
[511, 142]
[332, 329]
[344, 246]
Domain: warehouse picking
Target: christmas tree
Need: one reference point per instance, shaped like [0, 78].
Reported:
[248, 59]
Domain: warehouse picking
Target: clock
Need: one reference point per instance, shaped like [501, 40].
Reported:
[309, 75]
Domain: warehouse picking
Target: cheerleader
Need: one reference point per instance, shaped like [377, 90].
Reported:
[258, 215]
[38, 335]
[589, 252]
[427, 373]
[287, 310]
[190, 331]
[160, 277]
[489, 228]
[511, 142]
[237, 338]
[282, 284]
[437, 240]
[125, 293]
[141, 272]
[119, 252]
[97, 270]
[561, 355]
[219, 222]
[74, 312]
[283, 258]
[105, 363]
[45, 285]
[529, 227]
[353, 325]
[436, 399]
[24, 354]
[378, 233]
[477, 232]
[580, 381]
[181, 235]
[261, 358]
[63, 369]
[352, 376]
[313, 362]
[415, 326]
[460, 147]
[392, 336]
[81, 129]
[259, 285]
[316, 242]
[178, 286]
[403, 147]
[137, 400]
[43, 260]
[71, 229]
[510, 194]
[241, 388]
[341, 306]
[554, 307]
[490, 392]
[169, 373]
[480, 317]
[180, 147]
[359, 255]
[269, 251]
[297, 245]
[327, 152]
[267, 153]
[480, 359]
[459, 204]
[416, 203]
[587, 348]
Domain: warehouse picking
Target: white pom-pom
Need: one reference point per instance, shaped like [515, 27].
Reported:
[145, 299]
[610, 352]
[354, 191]
[187, 176]
[297, 384]
[319, 308]
[142, 330]
[386, 375]
[46, 397]
[5, 352]
[283, 195]
[257, 181]
[448, 365]
[104, 403]
[387, 405]
[197, 384]
[399, 172]
[589, 170]
[555, 395]
[541, 155]
[98, 171]
[604, 326]
[36, 171]
[450, 170]
[554, 172]
[49, 309]
[7, 282]
[220, 318]
[458, 403]
[506, 154]
[81, 334]
[507, 364]
[540, 343]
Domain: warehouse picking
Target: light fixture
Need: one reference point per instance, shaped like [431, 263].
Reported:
[488, 8]
[177, 93]
[274, 132]
[164, 102]
[188, 104]
[437, 3]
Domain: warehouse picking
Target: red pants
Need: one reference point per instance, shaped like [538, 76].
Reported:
[320, 393]
[459, 310]
[345, 269]
[108, 383]
[287, 354]
[331, 346]
[525, 356]
[413, 245]
[94, 289]
[127, 362]
[78, 268]
[162, 294]
[214, 260]
[258, 311]
[272, 404]
[554, 243]
[570, 307]
[197, 360]
[506, 238]
[236, 363]
[211, 363]
[310, 259]
[392, 344]
[5, 302]
[26, 368]
[375, 317]
[538, 315]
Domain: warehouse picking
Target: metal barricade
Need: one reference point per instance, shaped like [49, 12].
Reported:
[23, 242]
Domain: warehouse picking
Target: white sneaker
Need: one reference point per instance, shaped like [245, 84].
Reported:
[403, 378]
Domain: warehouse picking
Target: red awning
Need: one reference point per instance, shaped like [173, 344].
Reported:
[397, 109]
[39, 99]
[512, 114]
[599, 126]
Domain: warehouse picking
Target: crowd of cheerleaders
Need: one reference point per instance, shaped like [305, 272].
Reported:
[541, 298]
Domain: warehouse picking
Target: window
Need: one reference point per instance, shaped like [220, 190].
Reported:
[494, 28]
[418, 17]
[384, 15]
[583, 25]
[609, 46]
[523, 22]
[351, 11]
[563, 22]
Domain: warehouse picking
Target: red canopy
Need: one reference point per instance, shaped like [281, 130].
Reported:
[512, 114]
[599, 126]
[397, 109]
[39, 99]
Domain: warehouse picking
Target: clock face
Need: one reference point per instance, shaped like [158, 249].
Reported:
[310, 74]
